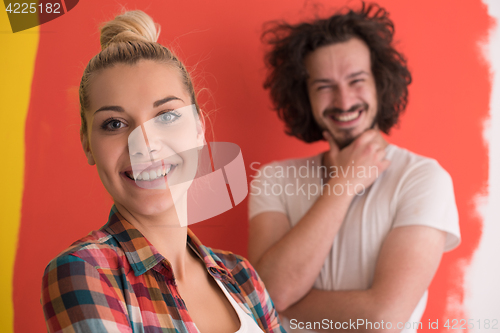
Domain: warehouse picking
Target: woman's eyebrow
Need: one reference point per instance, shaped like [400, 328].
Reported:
[110, 108]
[165, 100]
[155, 104]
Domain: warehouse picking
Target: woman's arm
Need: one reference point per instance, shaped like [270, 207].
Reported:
[265, 310]
[75, 295]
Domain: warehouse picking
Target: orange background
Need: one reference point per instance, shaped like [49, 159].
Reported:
[63, 199]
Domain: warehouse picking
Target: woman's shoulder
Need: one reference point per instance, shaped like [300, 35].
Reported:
[98, 249]
[229, 260]
[250, 288]
[238, 266]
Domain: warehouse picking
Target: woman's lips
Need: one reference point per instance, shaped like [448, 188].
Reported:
[155, 179]
[151, 173]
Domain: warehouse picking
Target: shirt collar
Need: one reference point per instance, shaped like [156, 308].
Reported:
[213, 263]
[143, 256]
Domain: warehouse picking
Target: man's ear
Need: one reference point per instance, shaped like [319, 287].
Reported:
[86, 148]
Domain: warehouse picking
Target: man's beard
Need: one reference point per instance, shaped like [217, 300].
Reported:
[348, 136]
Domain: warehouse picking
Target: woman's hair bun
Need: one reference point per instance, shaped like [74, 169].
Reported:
[130, 26]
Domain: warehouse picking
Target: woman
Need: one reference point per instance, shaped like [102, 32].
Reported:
[144, 271]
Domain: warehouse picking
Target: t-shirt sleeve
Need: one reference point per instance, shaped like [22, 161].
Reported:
[77, 298]
[266, 192]
[426, 198]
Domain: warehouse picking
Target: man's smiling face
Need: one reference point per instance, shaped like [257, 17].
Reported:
[342, 89]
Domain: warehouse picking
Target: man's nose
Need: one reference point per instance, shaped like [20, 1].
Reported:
[344, 98]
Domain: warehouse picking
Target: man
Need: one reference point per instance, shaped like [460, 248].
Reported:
[351, 238]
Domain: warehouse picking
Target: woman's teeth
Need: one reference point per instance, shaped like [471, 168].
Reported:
[348, 116]
[154, 174]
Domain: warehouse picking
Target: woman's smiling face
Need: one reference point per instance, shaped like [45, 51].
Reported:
[148, 100]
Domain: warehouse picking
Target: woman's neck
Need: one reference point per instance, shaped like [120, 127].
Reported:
[165, 233]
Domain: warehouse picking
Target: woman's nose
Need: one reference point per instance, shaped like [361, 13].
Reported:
[138, 146]
[154, 141]
[150, 142]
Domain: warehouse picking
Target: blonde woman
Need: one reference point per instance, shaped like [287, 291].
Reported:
[145, 271]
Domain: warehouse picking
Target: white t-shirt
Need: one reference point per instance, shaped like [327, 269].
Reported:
[414, 190]
[247, 323]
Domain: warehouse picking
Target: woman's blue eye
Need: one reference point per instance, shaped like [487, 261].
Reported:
[168, 117]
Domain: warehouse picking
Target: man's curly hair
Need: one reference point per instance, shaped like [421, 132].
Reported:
[288, 76]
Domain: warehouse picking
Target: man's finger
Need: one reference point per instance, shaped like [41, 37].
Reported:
[364, 138]
[333, 145]
[384, 164]
[379, 138]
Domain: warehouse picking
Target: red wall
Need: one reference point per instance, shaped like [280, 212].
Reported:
[64, 199]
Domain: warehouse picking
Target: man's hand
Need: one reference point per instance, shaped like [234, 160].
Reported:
[358, 164]
[276, 249]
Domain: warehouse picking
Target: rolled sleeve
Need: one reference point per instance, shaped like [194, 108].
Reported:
[266, 192]
[426, 197]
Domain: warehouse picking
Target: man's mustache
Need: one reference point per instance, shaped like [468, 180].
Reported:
[334, 110]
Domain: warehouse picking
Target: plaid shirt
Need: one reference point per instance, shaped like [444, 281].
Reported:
[114, 280]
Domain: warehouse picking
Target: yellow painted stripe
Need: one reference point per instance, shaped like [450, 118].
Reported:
[17, 61]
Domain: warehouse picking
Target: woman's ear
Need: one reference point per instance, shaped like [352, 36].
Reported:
[86, 148]
[200, 130]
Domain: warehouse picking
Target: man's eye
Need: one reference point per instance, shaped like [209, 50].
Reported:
[357, 81]
[168, 117]
[322, 88]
